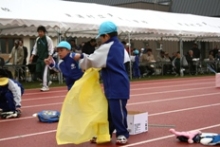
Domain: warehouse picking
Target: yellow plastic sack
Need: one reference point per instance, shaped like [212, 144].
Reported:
[84, 112]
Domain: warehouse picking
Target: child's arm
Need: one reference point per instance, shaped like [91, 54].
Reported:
[97, 60]
[16, 92]
[51, 64]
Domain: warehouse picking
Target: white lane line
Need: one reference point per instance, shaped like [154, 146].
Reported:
[154, 114]
[179, 90]
[156, 81]
[152, 93]
[172, 99]
[177, 85]
[181, 84]
[186, 109]
[43, 98]
[166, 137]
[133, 144]
[27, 135]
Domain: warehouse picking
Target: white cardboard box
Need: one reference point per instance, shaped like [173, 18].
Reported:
[137, 122]
[217, 80]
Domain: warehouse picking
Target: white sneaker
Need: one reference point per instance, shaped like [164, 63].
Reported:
[49, 83]
[182, 72]
[121, 140]
[45, 88]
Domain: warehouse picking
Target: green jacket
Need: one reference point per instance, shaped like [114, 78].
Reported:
[43, 47]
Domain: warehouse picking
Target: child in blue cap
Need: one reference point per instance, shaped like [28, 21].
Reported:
[136, 70]
[110, 56]
[69, 67]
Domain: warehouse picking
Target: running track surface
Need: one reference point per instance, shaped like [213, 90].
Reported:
[187, 103]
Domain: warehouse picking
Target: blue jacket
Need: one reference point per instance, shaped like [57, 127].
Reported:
[70, 70]
[15, 88]
[111, 58]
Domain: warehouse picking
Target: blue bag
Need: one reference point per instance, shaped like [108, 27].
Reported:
[48, 116]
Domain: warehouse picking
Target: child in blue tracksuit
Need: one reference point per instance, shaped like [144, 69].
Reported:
[110, 56]
[136, 70]
[10, 97]
[69, 67]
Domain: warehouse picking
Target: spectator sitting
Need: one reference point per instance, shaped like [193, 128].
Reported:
[146, 60]
[89, 47]
[179, 63]
[164, 59]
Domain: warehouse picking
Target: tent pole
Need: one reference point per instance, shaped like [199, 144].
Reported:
[181, 51]
[59, 39]
[129, 41]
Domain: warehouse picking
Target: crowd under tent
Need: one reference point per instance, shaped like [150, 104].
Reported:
[64, 18]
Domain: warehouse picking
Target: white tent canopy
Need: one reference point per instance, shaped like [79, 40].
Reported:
[22, 17]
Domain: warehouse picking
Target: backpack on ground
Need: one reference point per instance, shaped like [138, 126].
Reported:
[48, 116]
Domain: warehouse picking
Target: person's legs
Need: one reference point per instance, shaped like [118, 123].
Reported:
[45, 75]
[137, 72]
[8, 106]
[111, 125]
[3, 103]
[39, 69]
[118, 119]
[127, 67]
[177, 70]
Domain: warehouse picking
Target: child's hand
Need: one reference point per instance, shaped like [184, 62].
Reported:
[47, 61]
[77, 56]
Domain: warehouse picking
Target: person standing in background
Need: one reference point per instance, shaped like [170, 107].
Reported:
[196, 51]
[17, 54]
[25, 50]
[127, 64]
[44, 49]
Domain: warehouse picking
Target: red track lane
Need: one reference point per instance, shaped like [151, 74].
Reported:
[147, 88]
[140, 83]
[136, 96]
[200, 119]
[173, 142]
[31, 107]
[144, 87]
[151, 108]
[181, 96]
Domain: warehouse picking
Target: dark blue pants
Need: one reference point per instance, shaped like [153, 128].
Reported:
[136, 72]
[7, 102]
[117, 117]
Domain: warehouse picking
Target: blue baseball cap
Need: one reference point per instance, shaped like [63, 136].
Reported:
[106, 27]
[64, 44]
[136, 52]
